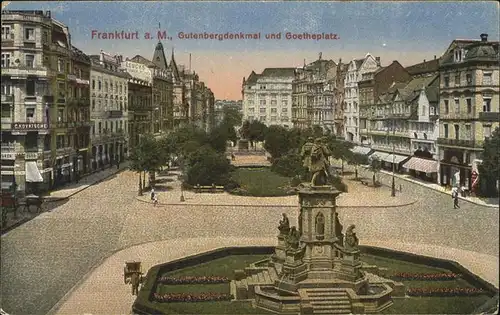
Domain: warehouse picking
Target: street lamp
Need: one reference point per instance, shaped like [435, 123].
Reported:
[182, 193]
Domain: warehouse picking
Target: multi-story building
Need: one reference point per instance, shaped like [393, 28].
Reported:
[267, 97]
[339, 97]
[36, 135]
[314, 95]
[469, 107]
[404, 124]
[109, 110]
[370, 87]
[163, 106]
[356, 69]
[79, 110]
[181, 106]
[139, 100]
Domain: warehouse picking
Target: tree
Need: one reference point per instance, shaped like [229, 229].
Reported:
[489, 169]
[207, 166]
[147, 156]
[231, 116]
[357, 159]
[341, 150]
[277, 141]
[219, 136]
[245, 130]
[257, 131]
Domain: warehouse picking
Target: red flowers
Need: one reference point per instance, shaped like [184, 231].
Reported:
[193, 280]
[444, 292]
[186, 297]
[426, 276]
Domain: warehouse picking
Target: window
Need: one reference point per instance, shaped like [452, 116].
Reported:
[250, 117]
[445, 129]
[458, 55]
[111, 127]
[262, 102]
[29, 33]
[250, 102]
[59, 141]
[105, 86]
[262, 118]
[432, 110]
[446, 81]
[262, 110]
[486, 104]
[469, 105]
[93, 84]
[446, 107]
[45, 38]
[6, 111]
[468, 78]
[284, 110]
[5, 60]
[457, 79]
[100, 127]
[457, 132]
[100, 85]
[62, 89]
[30, 115]
[6, 32]
[30, 61]
[468, 131]
[30, 87]
[487, 131]
[273, 103]
[60, 65]
[60, 115]
[274, 110]
[6, 89]
[457, 106]
[284, 103]
[251, 110]
[273, 118]
[487, 78]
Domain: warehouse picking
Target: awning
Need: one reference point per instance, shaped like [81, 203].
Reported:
[33, 173]
[379, 155]
[397, 158]
[422, 165]
[361, 150]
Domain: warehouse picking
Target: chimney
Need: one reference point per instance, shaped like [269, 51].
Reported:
[424, 60]
[377, 59]
[434, 57]
[484, 37]
[340, 61]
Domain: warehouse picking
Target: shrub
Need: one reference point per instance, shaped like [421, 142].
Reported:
[193, 280]
[443, 292]
[296, 181]
[426, 276]
[189, 297]
[206, 166]
[288, 165]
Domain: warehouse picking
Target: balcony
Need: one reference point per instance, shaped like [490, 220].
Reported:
[457, 116]
[7, 98]
[460, 143]
[114, 114]
[489, 116]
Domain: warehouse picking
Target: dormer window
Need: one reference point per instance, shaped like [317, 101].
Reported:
[459, 55]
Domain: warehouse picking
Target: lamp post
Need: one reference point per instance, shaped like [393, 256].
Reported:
[182, 194]
[140, 185]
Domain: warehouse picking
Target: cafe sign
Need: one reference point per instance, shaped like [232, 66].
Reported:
[29, 126]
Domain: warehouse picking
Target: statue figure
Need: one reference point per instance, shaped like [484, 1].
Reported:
[284, 226]
[351, 240]
[338, 229]
[305, 154]
[293, 238]
[319, 163]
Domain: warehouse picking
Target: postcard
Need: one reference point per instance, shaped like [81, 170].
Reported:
[249, 157]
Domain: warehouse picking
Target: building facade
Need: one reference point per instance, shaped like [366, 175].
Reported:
[109, 110]
[469, 107]
[163, 106]
[354, 74]
[139, 100]
[38, 132]
[267, 97]
[339, 98]
[370, 87]
[313, 101]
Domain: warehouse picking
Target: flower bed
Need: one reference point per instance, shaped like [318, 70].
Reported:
[193, 280]
[444, 292]
[187, 297]
[426, 276]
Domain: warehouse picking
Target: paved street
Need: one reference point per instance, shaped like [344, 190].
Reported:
[45, 258]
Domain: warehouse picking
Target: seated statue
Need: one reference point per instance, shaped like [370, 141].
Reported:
[293, 238]
[284, 226]
[351, 240]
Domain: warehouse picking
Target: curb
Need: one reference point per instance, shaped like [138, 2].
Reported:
[15, 225]
[443, 192]
[266, 206]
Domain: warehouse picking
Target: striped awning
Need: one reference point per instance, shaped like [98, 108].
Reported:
[422, 165]
[33, 174]
[396, 158]
[361, 150]
[379, 155]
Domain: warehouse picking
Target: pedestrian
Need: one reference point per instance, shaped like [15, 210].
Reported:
[454, 195]
[155, 200]
[152, 193]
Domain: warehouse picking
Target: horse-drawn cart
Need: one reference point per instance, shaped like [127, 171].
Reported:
[132, 274]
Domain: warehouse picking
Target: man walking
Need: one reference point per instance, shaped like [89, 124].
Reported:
[454, 195]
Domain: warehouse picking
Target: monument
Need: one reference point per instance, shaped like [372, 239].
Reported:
[316, 269]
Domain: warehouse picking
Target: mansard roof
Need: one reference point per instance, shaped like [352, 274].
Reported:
[424, 67]
[278, 72]
[140, 59]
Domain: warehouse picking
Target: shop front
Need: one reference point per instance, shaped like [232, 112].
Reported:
[422, 168]
[395, 159]
[455, 170]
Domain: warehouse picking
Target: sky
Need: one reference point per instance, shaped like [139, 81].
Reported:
[408, 32]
